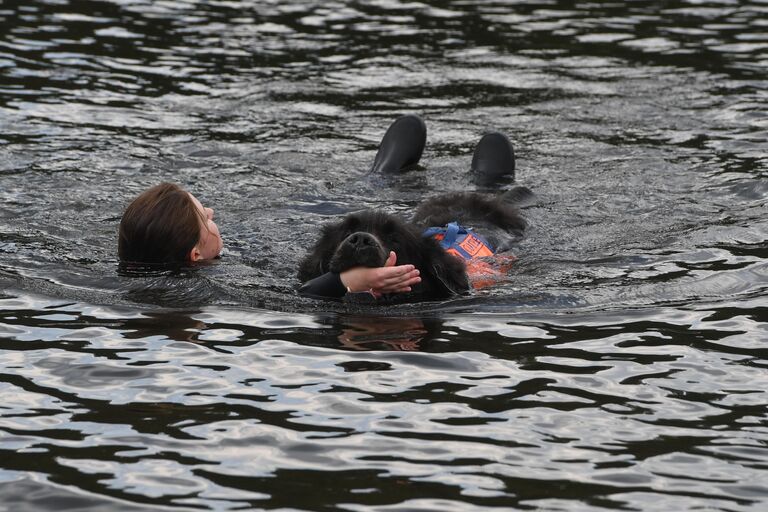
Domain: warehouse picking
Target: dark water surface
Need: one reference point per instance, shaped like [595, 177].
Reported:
[624, 365]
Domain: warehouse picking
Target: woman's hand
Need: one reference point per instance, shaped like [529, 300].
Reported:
[380, 280]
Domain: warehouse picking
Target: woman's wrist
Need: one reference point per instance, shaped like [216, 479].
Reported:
[354, 279]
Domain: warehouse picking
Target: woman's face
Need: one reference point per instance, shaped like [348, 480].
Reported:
[210, 243]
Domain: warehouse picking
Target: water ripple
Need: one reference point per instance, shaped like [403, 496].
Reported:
[622, 365]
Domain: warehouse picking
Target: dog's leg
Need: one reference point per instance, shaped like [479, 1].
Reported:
[493, 160]
[402, 145]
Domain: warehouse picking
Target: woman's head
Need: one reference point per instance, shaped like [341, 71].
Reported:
[167, 224]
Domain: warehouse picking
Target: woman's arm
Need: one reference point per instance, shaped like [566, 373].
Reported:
[377, 281]
[326, 286]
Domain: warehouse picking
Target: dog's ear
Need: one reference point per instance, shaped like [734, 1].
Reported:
[443, 275]
[316, 262]
[310, 267]
[451, 275]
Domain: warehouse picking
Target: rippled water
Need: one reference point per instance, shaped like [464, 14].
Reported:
[623, 365]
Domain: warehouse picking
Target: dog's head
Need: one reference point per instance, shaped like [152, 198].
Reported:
[366, 239]
[361, 239]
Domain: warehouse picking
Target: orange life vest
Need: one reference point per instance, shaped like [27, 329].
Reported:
[484, 267]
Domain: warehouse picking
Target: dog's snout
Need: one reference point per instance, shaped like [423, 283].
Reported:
[361, 240]
[361, 248]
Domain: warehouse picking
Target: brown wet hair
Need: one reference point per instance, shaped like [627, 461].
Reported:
[162, 225]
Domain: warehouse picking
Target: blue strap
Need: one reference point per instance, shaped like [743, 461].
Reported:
[451, 232]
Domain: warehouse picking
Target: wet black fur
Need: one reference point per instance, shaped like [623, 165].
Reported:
[442, 275]
[495, 217]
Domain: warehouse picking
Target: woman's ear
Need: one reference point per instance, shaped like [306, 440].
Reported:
[194, 254]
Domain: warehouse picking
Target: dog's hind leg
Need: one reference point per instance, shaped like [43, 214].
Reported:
[402, 145]
[493, 160]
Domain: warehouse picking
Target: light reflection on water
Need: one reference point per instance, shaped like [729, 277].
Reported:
[622, 365]
[195, 413]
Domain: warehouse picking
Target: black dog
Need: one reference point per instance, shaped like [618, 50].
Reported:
[365, 239]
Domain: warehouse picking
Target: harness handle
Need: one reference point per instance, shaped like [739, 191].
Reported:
[451, 232]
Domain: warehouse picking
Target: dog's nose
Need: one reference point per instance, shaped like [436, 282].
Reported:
[360, 240]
